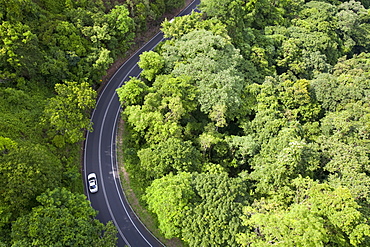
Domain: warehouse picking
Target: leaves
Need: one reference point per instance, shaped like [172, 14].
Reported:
[215, 217]
[320, 215]
[169, 156]
[169, 198]
[62, 218]
[67, 112]
[151, 63]
[213, 63]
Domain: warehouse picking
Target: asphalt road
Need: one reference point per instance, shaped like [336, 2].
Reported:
[100, 156]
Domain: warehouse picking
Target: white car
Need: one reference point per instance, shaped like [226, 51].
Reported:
[93, 183]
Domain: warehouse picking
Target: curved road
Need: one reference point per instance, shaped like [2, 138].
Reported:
[100, 156]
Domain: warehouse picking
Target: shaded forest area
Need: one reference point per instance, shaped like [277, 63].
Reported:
[53, 54]
[250, 125]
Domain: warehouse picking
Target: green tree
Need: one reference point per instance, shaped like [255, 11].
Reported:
[345, 149]
[213, 63]
[26, 172]
[62, 219]
[121, 27]
[181, 25]
[214, 217]
[133, 92]
[151, 63]
[170, 100]
[68, 111]
[112, 31]
[280, 102]
[242, 148]
[349, 83]
[311, 44]
[172, 155]
[6, 144]
[229, 12]
[15, 11]
[319, 215]
[20, 54]
[169, 198]
[353, 26]
[282, 159]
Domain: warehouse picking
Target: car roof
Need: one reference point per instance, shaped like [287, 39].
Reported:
[91, 175]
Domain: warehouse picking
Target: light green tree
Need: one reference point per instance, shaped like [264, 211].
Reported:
[182, 25]
[133, 92]
[6, 144]
[172, 155]
[319, 215]
[169, 198]
[151, 63]
[68, 111]
[213, 63]
[170, 100]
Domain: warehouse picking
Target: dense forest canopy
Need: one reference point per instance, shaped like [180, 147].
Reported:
[249, 125]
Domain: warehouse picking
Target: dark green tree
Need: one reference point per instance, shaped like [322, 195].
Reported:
[214, 217]
[62, 219]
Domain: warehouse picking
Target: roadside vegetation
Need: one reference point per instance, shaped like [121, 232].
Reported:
[250, 125]
[53, 55]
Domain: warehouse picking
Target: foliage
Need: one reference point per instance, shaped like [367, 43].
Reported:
[168, 197]
[214, 217]
[256, 101]
[170, 156]
[51, 53]
[68, 111]
[320, 215]
[214, 65]
[62, 219]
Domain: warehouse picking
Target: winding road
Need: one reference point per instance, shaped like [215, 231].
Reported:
[100, 156]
